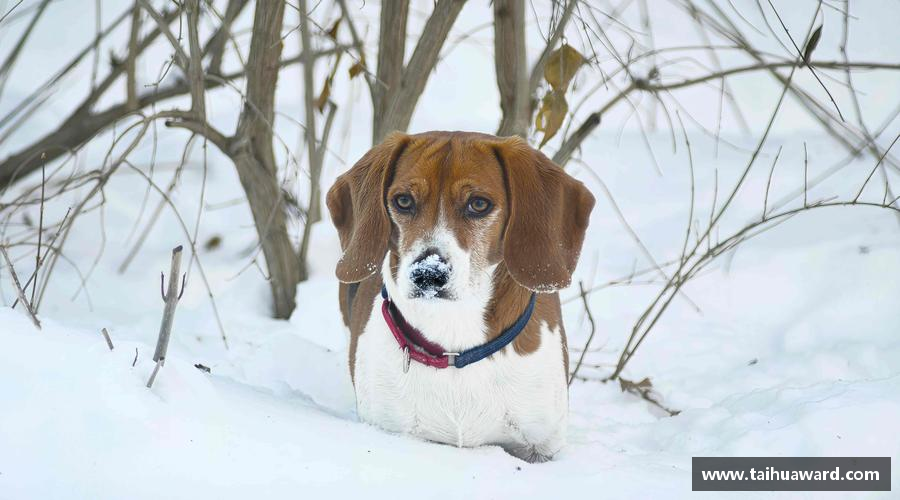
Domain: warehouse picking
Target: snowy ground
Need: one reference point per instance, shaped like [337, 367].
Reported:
[796, 353]
[796, 350]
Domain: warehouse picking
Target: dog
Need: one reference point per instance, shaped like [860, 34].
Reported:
[455, 245]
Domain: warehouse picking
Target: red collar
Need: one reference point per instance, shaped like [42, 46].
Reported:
[412, 342]
[415, 346]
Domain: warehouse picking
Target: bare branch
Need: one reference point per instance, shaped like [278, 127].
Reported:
[358, 43]
[131, 60]
[587, 344]
[806, 53]
[13, 56]
[181, 58]
[215, 48]
[399, 110]
[315, 165]
[195, 63]
[37, 253]
[767, 66]
[82, 125]
[186, 231]
[189, 121]
[571, 143]
[313, 214]
[537, 72]
[19, 291]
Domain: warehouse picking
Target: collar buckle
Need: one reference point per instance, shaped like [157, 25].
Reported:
[451, 358]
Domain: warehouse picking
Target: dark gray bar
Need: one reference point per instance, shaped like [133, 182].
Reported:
[791, 474]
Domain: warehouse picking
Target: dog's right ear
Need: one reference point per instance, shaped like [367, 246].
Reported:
[358, 209]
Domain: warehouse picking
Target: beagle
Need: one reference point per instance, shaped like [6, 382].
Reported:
[454, 247]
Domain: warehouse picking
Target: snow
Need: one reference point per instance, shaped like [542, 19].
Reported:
[432, 265]
[795, 354]
[795, 350]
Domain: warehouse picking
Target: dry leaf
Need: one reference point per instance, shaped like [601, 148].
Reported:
[332, 33]
[326, 88]
[561, 67]
[812, 44]
[629, 386]
[213, 243]
[358, 68]
[551, 115]
[323, 97]
[644, 389]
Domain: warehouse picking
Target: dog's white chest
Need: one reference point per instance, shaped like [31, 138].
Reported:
[519, 402]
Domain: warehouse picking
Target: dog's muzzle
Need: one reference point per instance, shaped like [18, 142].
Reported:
[430, 275]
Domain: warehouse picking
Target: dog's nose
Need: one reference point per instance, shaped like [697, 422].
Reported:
[430, 271]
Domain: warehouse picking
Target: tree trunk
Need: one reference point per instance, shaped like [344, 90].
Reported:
[400, 101]
[253, 156]
[391, 55]
[511, 66]
[267, 205]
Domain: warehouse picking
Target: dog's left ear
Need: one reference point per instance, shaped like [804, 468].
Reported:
[357, 206]
[548, 215]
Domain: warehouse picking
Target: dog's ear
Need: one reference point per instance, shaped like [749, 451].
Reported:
[357, 206]
[548, 215]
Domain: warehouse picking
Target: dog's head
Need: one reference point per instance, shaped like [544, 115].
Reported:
[450, 207]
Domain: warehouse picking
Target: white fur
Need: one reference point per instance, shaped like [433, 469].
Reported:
[515, 401]
[470, 285]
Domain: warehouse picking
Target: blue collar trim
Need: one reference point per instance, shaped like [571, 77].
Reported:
[482, 351]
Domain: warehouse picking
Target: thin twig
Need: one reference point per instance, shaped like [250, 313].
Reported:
[19, 291]
[37, 253]
[804, 56]
[587, 344]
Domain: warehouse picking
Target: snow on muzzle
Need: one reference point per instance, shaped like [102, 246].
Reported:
[430, 275]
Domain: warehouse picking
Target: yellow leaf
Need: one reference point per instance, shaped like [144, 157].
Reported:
[332, 33]
[326, 88]
[358, 68]
[323, 97]
[561, 67]
[551, 115]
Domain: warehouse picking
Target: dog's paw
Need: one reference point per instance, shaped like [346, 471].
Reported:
[529, 453]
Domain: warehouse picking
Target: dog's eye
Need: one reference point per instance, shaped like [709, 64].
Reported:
[478, 206]
[404, 202]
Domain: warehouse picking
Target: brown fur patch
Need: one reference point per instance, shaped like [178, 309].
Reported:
[548, 216]
[357, 313]
[442, 172]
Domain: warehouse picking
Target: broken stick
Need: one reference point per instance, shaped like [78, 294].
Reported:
[171, 299]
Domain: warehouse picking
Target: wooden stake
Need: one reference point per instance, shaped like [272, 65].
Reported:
[155, 371]
[171, 299]
[108, 340]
